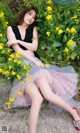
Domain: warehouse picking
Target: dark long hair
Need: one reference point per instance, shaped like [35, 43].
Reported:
[20, 18]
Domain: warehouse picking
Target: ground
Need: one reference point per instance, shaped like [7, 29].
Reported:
[17, 121]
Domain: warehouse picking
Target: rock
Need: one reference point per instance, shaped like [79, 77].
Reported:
[49, 121]
[5, 87]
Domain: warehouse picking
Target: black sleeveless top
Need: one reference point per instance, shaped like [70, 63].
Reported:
[28, 35]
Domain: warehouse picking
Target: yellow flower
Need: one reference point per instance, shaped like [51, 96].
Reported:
[74, 17]
[11, 99]
[25, 67]
[6, 72]
[19, 62]
[18, 77]
[49, 17]
[8, 78]
[15, 61]
[1, 35]
[60, 31]
[57, 28]
[0, 70]
[12, 55]
[27, 74]
[1, 14]
[73, 30]
[66, 50]
[8, 50]
[9, 59]
[70, 42]
[1, 47]
[9, 106]
[9, 103]
[17, 54]
[49, 8]
[48, 33]
[29, 89]
[28, 78]
[19, 93]
[47, 65]
[6, 22]
[3, 51]
[49, 1]
[13, 73]
[67, 29]
[23, 82]
[10, 67]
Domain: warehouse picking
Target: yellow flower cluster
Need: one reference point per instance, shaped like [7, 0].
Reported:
[29, 89]
[73, 30]
[49, 8]
[1, 14]
[1, 34]
[18, 77]
[1, 70]
[49, 17]
[74, 17]
[67, 29]
[28, 78]
[1, 46]
[49, 1]
[59, 31]
[66, 50]
[48, 33]
[12, 55]
[9, 103]
[47, 65]
[70, 42]
[13, 73]
[19, 93]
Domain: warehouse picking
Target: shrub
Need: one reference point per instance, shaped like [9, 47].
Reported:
[11, 65]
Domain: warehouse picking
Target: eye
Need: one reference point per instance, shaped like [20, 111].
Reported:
[30, 13]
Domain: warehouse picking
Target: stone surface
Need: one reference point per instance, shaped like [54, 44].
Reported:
[17, 121]
[5, 87]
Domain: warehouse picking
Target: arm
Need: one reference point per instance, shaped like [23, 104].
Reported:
[30, 46]
[11, 36]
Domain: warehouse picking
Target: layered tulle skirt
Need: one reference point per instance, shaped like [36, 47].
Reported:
[62, 81]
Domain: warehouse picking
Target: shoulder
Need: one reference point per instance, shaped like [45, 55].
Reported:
[11, 27]
[35, 30]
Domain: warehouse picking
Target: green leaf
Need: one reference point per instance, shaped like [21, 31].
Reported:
[73, 55]
[56, 44]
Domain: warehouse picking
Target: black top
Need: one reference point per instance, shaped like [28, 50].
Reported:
[28, 35]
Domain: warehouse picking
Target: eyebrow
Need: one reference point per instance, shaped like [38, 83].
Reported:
[31, 12]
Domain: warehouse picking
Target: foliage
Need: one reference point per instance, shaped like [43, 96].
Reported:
[59, 36]
[11, 65]
[59, 32]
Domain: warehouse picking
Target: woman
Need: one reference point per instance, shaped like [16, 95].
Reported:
[57, 85]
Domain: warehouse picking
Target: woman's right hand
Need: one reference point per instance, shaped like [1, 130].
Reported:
[40, 64]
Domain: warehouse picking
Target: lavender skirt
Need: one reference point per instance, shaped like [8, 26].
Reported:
[62, 80]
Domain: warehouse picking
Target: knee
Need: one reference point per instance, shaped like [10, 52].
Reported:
[49, 97]
[41, 80]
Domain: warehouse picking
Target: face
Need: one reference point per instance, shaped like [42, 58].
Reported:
[29, 17]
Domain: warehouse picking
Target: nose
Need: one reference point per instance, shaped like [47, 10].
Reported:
[31, 17]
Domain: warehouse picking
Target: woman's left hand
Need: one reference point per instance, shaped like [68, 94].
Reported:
[11, 42]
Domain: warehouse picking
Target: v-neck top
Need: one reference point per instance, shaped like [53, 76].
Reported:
[28, 35]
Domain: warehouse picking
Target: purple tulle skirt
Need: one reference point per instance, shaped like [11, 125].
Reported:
[62, 81]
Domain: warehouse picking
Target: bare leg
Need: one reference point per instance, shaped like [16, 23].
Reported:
[53, 98]
[36, 104]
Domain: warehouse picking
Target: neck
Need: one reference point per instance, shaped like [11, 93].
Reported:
[24, 25]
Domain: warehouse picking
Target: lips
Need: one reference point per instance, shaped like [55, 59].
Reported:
[29, 21]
